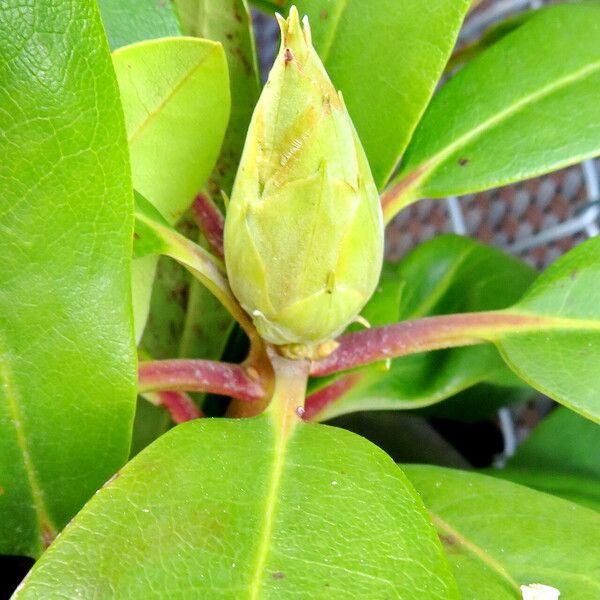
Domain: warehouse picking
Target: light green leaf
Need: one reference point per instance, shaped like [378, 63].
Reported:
[448, 274]
[175, 95]
[130, 21]
[561, 357]
[228, 22]
[67, 362]
[560, 457]
[524, 107]
[386, 57]
[499, 535]
[228, 509]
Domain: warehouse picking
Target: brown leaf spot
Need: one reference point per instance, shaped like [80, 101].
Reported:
[450, 542]
[2, 490]
[278, 575]
[463, 162]
[288, 56]
[324, 14]
[48, 535]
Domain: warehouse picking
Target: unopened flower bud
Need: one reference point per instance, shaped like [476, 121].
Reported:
[304, 229]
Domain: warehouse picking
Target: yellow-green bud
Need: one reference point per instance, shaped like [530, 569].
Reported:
[304, 229]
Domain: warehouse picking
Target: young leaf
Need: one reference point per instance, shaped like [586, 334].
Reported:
[386, 58]
[228, 22]
[499, 535]
[175, 95]
[448, 274]
[67, 362]
[522, 108]
[560, 457]
[229, 509]
[130, 21]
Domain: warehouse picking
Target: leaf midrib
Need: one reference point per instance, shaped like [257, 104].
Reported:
[474, 550]
[497, 118]
[45, 524]
[152, 114]
[266, 534]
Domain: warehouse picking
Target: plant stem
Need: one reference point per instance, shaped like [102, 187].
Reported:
[178, 404]
[432, 333]
[287, 403]
[319, 400]
[401, 193]
[211, 223]
[199, 376]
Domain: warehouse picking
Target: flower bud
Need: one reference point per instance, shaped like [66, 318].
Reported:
[304, 229]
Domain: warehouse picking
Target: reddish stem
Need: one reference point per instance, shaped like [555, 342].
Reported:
[198, 376]
[411, 337]
[180, 406]
[319, 400]
[211, 223]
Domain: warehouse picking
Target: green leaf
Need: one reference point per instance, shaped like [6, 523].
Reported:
[560, 457]
[499, 535]
[448, 274]
[227, 509]
[228, 22]
[386, 59]
[561, 358]
[175, 95]
[522, 108]
[130, 21]
[67, 362]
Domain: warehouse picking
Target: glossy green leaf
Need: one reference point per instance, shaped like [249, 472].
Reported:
[175, 95]
[448, 274]
[561, 358]
[386, 58]
[223, 509]
[67, 362]
[499, 535]
[130, 21]
[524, 107]
[560, 457]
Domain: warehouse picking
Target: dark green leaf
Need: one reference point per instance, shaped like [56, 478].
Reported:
[499, 535]
[560, 457]
[130, 21]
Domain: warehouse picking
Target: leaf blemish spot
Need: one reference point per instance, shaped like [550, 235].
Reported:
[278, 575]
[463, 162]
[288, 56]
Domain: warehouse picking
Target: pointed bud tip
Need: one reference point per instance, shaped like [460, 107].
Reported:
[294, 30]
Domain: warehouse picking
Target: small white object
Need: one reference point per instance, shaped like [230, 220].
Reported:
[539, 591]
